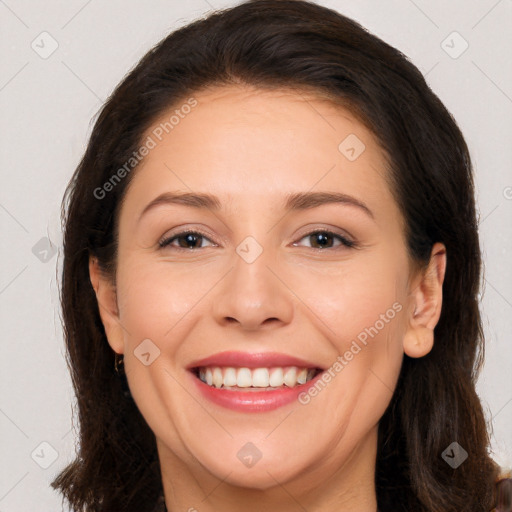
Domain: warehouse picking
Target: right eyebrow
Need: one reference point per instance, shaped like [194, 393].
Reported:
[195, 200]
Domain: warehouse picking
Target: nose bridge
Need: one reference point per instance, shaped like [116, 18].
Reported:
[252, 294]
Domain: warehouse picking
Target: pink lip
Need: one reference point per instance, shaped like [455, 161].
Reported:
[252, 360]
[252, 401]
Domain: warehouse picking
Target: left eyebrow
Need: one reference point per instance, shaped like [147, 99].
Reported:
[307, 200]
[294, 201]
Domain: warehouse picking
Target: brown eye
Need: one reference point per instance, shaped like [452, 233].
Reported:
[322, 239]
[186, 240]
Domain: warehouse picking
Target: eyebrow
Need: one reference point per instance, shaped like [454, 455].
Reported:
[294, 201]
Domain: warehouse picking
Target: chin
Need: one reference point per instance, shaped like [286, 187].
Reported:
[270, 470]
[259, 478]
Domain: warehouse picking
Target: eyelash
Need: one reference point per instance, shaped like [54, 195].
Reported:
[345, 242]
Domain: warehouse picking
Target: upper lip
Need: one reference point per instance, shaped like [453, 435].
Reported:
[252, 360]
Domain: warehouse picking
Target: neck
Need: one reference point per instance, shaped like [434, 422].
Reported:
[328, 486]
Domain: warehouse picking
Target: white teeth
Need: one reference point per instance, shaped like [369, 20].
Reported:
[290, 376]
[230, 377]
[260, 378]
[276, 377]
[244, 378]
[302, 376]
[217, 377]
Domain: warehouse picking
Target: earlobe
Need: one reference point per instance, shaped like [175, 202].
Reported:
[418, 342]
[107, 305]
[427, 299]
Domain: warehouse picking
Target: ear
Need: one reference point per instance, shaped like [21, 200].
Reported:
[107, 304]
[425, 307]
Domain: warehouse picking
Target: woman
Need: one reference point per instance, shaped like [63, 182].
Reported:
[270, 279]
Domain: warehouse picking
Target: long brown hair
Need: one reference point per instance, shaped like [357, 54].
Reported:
[282, 44]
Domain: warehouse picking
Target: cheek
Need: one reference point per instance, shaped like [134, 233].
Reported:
[356, 295]
[152, 299]
[361, 310]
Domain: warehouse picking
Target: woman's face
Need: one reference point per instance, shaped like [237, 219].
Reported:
[253, 302]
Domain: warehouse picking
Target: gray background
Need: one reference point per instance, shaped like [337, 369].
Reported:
[47, 104]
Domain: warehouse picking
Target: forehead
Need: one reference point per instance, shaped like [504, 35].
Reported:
[250, 144]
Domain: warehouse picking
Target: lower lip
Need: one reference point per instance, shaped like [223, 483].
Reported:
[253, 401]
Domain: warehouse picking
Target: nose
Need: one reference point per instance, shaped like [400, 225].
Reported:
[253, 296]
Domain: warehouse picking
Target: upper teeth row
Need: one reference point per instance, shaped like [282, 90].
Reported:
[255, 377]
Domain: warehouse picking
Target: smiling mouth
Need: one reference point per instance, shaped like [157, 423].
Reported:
[254, 379]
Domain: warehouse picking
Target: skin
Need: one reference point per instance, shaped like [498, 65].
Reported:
[250, 148]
